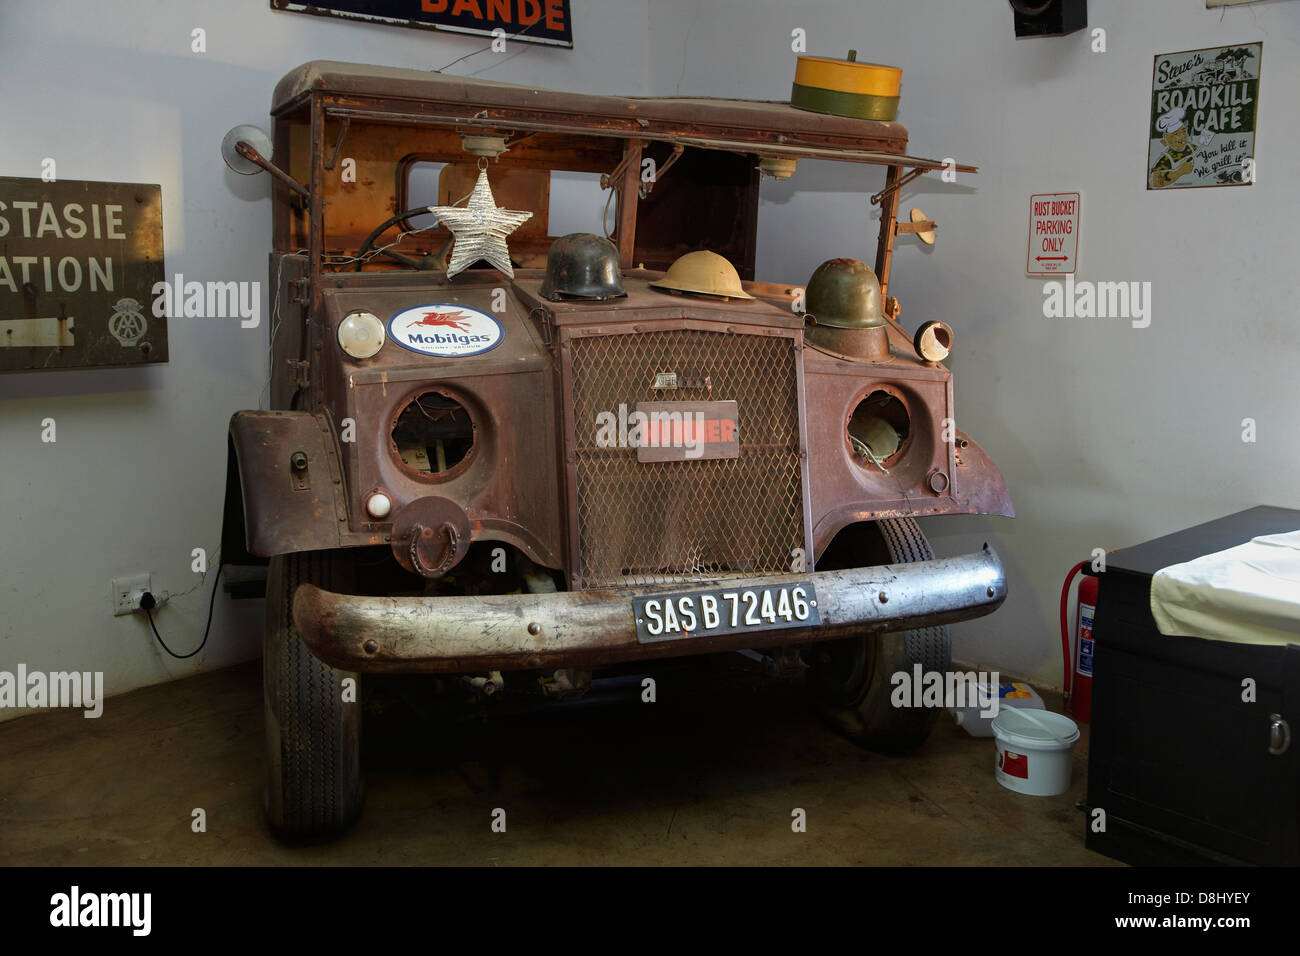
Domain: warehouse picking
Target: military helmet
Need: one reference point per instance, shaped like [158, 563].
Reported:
[703, 273]
[582, 265]
[844, 294]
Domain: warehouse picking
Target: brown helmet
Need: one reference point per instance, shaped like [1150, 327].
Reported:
[582, 265]
[844, 294]
[703, 273]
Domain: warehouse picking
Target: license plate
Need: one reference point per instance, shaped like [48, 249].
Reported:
[670, 617]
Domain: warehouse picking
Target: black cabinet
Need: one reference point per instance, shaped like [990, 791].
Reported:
[1186, 770]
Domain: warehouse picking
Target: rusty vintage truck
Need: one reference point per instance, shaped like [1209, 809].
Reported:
[448, 512]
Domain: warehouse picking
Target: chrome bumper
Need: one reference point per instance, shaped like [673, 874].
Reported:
[594, 628]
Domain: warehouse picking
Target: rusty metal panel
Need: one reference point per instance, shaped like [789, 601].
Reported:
[930, 477]
[78, 263]
[844, 489]
[982, 488]
[644, 521]
[291, 479]
[508, 392]
[285, 331]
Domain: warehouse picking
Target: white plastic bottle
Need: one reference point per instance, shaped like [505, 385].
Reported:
[976, 719]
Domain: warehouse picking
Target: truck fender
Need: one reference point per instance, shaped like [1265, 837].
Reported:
[284, 487]
[980, 485]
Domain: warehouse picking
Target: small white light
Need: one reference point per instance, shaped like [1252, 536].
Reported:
[378, 505]
[361, 334]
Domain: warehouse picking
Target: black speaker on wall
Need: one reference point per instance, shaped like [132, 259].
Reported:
[1049, 18]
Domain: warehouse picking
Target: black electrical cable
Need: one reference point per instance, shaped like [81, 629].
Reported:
[383, 227]
[148, 611]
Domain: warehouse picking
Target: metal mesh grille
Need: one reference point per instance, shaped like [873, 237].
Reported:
[639, 522]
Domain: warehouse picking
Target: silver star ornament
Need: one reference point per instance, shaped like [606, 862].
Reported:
[480, 229]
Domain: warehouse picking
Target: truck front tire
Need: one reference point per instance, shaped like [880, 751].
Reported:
[851, 679]
[313, 718]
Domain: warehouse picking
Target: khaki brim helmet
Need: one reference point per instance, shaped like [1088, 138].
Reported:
[703, 273]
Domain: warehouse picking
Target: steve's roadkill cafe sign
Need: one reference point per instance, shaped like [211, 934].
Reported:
[1203, 111]
[78, 262]
[529, 21]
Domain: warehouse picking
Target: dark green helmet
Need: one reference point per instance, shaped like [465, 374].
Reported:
[582, 265]
[844, 294]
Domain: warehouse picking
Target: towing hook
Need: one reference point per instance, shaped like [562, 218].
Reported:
[423, 545]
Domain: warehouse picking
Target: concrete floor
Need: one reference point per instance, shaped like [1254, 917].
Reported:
[696, 778]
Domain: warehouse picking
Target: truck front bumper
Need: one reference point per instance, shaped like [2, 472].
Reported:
[593, 628]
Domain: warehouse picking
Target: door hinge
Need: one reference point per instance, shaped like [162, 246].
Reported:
[299, 372]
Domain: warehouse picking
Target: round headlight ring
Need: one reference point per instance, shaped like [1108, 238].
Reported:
[361, 334]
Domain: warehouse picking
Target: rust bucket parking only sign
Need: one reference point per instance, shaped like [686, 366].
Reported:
[1053, 234]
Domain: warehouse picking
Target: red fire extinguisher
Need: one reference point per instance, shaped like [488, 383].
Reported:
[1078, 665]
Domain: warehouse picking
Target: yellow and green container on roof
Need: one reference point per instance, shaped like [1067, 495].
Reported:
[846, 87]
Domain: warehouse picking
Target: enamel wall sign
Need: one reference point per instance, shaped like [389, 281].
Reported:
[1203, 110]
[78, 262]
[530, 21]
[445, 330]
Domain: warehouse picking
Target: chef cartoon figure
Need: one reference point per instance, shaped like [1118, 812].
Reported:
[1177, 160]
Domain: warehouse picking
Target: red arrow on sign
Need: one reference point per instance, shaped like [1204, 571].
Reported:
[1052, 258]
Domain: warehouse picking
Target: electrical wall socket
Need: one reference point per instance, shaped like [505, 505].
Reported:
[127, 592]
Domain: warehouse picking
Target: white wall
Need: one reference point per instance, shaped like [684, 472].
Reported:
[1108, 435]
[112, 92]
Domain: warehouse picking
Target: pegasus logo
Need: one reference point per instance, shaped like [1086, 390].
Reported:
[445, 329]
[443, 320]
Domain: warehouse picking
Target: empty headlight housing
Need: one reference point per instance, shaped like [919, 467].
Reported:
[878, 429]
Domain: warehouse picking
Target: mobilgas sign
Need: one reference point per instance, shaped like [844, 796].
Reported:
[445, 330]
[531, 21]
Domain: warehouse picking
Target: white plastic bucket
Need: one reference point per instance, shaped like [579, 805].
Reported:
[1035, 750]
